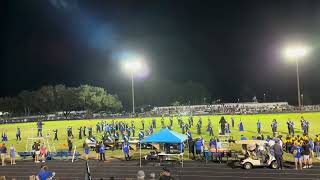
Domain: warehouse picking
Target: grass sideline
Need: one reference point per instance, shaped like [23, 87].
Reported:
[249, 122]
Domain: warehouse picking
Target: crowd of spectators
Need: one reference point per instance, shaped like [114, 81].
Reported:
[232, 108]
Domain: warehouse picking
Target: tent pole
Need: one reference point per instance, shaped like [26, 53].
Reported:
[182, 154]
[188, 150]
[140, 153]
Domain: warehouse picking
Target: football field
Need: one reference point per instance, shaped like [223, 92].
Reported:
[249, 121]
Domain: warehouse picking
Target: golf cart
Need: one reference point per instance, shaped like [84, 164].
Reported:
[256, 153]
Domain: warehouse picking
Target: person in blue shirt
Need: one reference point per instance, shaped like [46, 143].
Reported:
[243, 138]
[241, 128]
[18, 134]
[44, 173]
[297, 154]
[125, 150]
[213, 143]
[102, 151]
[4, 137]
[98, 128]
[199, 145]
[259, 126]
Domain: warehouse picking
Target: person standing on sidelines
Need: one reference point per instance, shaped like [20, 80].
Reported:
[317, 146]
[278, 153]
[306, 154]
[297, 153]
[43, 152]
[102, 152]
[199, 146]
[12, 155]
[125, 150]
[86, 150]
[3, 152]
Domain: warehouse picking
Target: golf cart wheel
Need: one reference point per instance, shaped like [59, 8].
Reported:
[247, 166]
[274, 165]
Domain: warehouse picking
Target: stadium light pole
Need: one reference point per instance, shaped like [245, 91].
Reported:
[296, 53]
[133, 66]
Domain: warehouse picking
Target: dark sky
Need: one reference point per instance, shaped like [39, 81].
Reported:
[230, 46]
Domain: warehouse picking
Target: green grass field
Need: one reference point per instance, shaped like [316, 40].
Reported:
[249, 122]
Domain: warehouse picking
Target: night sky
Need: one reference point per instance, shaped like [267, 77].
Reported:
[232, 47]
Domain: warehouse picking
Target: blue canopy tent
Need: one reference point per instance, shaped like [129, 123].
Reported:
[164, 135]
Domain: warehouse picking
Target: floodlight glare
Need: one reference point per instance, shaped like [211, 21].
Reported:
[296, 51]
[133, 66]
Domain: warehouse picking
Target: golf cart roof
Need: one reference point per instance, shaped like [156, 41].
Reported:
[259, 142]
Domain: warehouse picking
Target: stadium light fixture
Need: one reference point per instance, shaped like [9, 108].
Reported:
[296, 53]
[133, 65]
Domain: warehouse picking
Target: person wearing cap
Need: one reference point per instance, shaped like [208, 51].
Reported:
[140, 175]
[278, 153]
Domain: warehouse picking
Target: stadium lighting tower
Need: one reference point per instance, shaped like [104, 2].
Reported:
[296, 53]
[133, 65]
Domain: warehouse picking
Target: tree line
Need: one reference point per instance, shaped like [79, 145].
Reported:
[59, 98]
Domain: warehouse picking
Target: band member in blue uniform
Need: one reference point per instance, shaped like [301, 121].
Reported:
[4, 136]
[125, 150]
[228, 128]
[55, 135]
[80, 132]
[84, 131]
[133, 129]
[199, 128]
[90, 131]
[259, 126]
[98, 129]
[210, 129]
[141, 135]
[274, 126]
[39, 126]
[232, 122]
[241, 128]
[142, 123]
[162, 121]
[154, 123]
[18, 134]
[189, 134]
